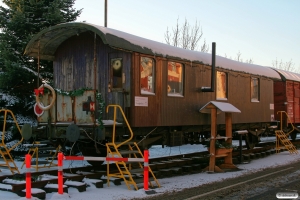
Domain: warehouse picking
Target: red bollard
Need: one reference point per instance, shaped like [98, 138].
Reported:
[146, 169]
[28, 176]
[60, 173]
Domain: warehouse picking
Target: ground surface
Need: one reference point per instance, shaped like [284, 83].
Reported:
[264, 184]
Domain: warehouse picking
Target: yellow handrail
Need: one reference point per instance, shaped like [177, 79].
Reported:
[114, 124]
[4, 126]
[289, 120]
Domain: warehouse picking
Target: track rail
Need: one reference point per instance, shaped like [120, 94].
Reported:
[162, 166]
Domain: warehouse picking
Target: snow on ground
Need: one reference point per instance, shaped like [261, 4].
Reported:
[167, 184]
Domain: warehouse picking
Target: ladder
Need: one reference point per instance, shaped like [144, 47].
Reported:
[49, 158]
[282, 137]
[9, 161]
[4, 150]
[128, 149]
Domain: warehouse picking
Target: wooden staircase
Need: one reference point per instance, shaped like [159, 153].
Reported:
[4, 150]
[128, 171]
[282, 140]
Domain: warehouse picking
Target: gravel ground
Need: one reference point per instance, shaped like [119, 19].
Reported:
[281, 179]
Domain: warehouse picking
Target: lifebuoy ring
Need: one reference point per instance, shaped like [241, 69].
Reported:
[37, 99]
[169, 88]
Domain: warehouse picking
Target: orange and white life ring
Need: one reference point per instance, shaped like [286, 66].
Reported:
[37, 99]
[169, 88]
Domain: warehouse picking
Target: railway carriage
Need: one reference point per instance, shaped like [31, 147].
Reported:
[286, 98]
[159, 87]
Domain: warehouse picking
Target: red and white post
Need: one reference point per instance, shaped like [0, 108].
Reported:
[145, 159]
[28, 176]
[60, 173]
[146, 169]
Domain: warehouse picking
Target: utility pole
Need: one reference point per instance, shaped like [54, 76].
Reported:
[105, 13]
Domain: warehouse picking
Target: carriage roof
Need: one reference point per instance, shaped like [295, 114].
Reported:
[287, 75]
[48, 40]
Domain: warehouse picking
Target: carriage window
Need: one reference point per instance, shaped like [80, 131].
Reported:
[116, 67]
[221, 85]
[254, 89]
[147, 80]
[175, 79]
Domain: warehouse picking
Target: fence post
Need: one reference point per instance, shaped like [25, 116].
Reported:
[28, 176]
[146, 168]
[60, 173]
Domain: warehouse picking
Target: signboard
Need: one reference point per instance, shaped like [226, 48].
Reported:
[39, 112]
[141, 101]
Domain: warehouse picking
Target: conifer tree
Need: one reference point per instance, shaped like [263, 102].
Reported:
[20, 20]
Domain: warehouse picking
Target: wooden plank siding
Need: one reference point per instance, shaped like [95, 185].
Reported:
[164, 110]
[296, 102]
[279, 98]
[287, 92]
[141, 116]
[74, 69]
[239, 95]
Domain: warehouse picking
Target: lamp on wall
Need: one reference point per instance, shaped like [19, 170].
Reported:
[285, 103]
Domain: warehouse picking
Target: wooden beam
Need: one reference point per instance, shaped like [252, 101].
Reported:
[212, 148]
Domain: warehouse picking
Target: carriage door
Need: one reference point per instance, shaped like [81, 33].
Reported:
[116, 84]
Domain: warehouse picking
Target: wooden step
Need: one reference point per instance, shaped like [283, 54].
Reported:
[35, 192]
[47, 149]
[127, 152]
[221, 155]
[176, 170]
[166, 172]
[137, 171]
[141, 180]
[127, 143]
[50, 187]
[81, 187]
[43, 155]
[98, 183]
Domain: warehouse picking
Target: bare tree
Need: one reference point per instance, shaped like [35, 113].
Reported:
[250, 61]
[239, 58]
[186, 36]
[287, 66]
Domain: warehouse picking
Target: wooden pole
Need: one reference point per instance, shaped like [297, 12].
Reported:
[212, 148]
[228, 122]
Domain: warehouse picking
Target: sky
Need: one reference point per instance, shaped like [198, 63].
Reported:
[260, 30]
[171, 184]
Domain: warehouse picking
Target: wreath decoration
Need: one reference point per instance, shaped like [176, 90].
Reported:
[40, 90]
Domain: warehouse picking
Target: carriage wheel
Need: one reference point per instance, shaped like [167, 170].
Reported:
[91, 150]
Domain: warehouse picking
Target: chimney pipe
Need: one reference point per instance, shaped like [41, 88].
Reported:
[105, 13]
[213, 67]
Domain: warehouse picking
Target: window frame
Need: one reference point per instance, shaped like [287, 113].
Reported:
[226, 85]
[144, 92]
[254, 99]
[181, 84]
[120, 78]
